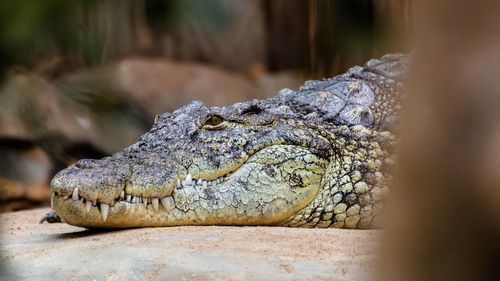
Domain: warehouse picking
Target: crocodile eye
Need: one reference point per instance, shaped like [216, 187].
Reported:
[214, 120]
[214, 123]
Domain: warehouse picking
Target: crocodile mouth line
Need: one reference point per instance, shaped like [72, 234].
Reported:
[166, 202]
[150, 204]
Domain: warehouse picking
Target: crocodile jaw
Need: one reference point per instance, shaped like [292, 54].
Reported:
[272, 185]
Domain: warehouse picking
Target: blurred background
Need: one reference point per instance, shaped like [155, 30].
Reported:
[85, 78]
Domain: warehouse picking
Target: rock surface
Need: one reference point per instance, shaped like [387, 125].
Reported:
[30, 251]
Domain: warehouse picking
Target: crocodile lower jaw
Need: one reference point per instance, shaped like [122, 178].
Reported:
[129, 201]
[103, 209]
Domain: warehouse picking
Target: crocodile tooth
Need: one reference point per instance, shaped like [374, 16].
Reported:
[88, 204]
[204, 184]
[94, 203]
[154, 202]
[199, 182]
[122, 195]
[104, 211]
[134, 199]
[178, 183]
[145, 201]
[75, 194]
[128, 197]
[167, 202]
[189, 180]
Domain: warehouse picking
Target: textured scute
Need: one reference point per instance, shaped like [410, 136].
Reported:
[393, 65]
[355, 182]
[344, 125]
[355, 114]
[368, 96]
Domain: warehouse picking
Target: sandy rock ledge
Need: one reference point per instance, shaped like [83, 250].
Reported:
[30, 251]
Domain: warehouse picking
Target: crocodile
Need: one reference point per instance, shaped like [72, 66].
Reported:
[320, 156]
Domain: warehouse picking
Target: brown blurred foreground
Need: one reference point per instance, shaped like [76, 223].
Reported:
[444, 220]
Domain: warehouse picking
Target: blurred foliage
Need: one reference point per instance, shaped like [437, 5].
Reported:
[163, 14]
[322, 37]
[346, 33]
[90, 32]
[31, 30]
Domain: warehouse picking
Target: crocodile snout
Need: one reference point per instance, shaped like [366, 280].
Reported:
[96, 181]
[95, 187]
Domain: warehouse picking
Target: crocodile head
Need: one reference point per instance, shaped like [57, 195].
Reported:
[318, 157]
[240, 165]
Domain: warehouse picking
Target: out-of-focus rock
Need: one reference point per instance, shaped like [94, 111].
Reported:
[98, 111]
[24, 174]
[162, 85]
[42, 125]
[34, 109]
[95, 105]
[157, 85]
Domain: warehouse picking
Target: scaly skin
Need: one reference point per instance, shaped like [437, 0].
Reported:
[317, 157]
